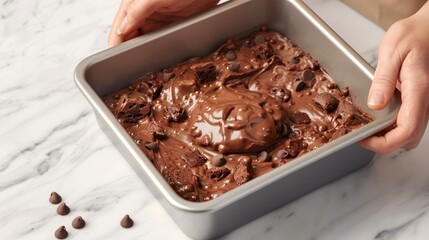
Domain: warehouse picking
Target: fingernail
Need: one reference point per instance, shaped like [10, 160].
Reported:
[376, 98]
[122, 26]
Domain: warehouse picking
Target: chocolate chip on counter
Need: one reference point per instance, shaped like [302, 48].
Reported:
[153, 146]
[244, 171]
[259, 39]
[293, 60]
[167, 76]
[218, 174]
[55, 198]
[282, 154]
[263, 157]
[61, 233]
[127, 222]
[326, 102]
[156, 131]
[174, 113]
[206, 74]
[63, 209]
[300, 118]
[299, 86]
[307, 75]
[78, 223]
[218, 160]
[230, 55]
[194, 158]
[233, 66]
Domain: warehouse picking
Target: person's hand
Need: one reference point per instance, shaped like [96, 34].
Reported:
[403, 63]
[136, 17]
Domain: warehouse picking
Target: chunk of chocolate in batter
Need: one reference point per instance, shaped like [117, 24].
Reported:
[206, 73]
[131, 108]
[218, 174]
[194, 158]
[326, 102]
[174, 113]
[262, 51]
[300, 118]
[244, 171]
[281, 93]
[293, 147]
[152, 88]
[157, 131]
[182, 180]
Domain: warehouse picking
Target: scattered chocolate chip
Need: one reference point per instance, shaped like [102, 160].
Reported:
[132, 108]
[307, 75]
[156, 130]
[63, 209]
[153, 146]
[206, 74]
[326, 102]
[167, 76]
[244, 171]
[174, 113]
[281, 93]
[225, 113]
[300, 118]
[233, 66]
[299, 86]
[218, 160]
[61, 233]
[263, 157]
[55, 198]
[282, 154]
[152, 88]
[78, 222]
[259, 39]
[293, 59]
[194, 158]
[218, 174]
[127, 222]
[230, 55]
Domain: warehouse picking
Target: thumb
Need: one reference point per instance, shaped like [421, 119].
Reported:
[385, 77]
[136, 13]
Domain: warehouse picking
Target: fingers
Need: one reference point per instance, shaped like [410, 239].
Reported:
[390, 59]
[115, 39]
[136, 13]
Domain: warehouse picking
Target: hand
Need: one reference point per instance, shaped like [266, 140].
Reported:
[403, 63]
[136, 17]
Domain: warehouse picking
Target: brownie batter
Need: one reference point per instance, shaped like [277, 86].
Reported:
[213, 123]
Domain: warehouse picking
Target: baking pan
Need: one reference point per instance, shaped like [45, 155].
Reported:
[117, 67]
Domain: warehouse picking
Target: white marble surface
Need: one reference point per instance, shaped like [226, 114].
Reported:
[50, 141]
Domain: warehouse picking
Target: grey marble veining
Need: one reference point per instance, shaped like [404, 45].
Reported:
[50, 141]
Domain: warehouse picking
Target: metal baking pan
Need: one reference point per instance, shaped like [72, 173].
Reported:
[117, 67]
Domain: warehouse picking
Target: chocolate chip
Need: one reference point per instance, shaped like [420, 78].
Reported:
[194, 158]
[263, 157]
[233, 66]
[152, 88]
[132, 108]
[282, 154]
[281, 93]
[174, 113]
[218, 160]
[225, 113]
[167, 76]
[230, 55]
[300, 118]
[244, 171]
[293, 60]
[259, 39]
[299, 86]
[156, 130]
[326, 102]
[61, 233]
[285, 130]
[127, 222]
[55, 198]
[218, 174]
[206, 74]
[153, 146]
[307, 75]
[78, 223]
[63, 209]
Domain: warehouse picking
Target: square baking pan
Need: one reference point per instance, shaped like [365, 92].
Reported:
[117, 67]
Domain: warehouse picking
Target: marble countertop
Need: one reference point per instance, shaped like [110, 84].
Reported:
[50, 141]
